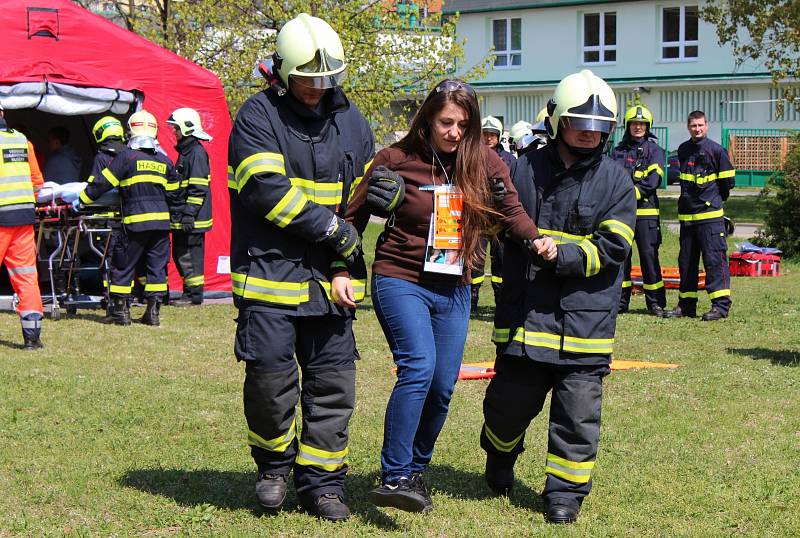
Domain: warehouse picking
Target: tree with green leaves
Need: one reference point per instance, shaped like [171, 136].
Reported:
[781, 198]
[391, 61]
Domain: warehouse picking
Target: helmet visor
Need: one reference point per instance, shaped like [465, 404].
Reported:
[588, 124]
[319, 82]
[322, 62]
[524, 141]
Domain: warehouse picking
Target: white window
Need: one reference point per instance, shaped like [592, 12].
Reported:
[507, 41]
[600, 38]
[679, 33]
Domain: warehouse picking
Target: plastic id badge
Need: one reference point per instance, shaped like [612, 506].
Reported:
[443, 252]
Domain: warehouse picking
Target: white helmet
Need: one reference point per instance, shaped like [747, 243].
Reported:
[143, 123]
[189, 123]
[310, 51]
[584, 101]
[521, 134]
[492, 125]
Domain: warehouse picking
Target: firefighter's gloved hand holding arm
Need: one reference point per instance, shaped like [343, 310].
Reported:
[385, 191]
[499, 191]
[343, 238]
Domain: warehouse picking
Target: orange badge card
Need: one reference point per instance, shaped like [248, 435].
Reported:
[448, 204]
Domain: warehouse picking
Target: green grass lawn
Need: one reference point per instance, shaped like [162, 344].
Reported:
[114, 431]
[738, 208]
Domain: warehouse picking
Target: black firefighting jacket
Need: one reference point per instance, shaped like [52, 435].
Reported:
[290, 169]
[507, 156]
[141, 176]
[107, 151]
[644, 161]
[564, 311]
[193, 190]
[707, 177]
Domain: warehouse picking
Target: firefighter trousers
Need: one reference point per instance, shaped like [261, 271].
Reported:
[708, 238]
[648, 238]
[18, 253]
[496, 258]
[515, 396]
[324, 347]
[188, 253]
[152, 249]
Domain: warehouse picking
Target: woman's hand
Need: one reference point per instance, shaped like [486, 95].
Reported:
[546, 247]
[342, 292]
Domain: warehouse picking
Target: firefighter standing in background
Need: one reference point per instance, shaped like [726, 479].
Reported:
[296, 152]
[644, 159]
[521, 138]
[20, 178]
[707, 177]
[492, 129]
[190, 220]
[141, 174]
[555, 325]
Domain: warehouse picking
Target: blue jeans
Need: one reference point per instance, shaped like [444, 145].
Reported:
[426, 327]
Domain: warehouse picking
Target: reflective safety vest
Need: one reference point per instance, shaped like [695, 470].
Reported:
[16, 188]
[707, 177]
[291, 169]
[564, 312]
[644, 161]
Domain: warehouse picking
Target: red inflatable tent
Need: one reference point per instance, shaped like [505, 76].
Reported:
[65, 65]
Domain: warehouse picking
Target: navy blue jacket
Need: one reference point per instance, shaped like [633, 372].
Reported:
[193, 196]
[644, 161]
[707, 177]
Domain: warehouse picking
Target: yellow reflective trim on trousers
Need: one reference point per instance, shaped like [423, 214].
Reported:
[499, 444]
[143, 178]
[116, 288]
[288, 207]
[323, 459]
[359, 289]
[719, 293]
[497, 279]
[651, 287]
[145, 217]
[648, 212]
[500, 336]
[725, 174]
[602, 346]
[111, 178]
[256, 164]
[572, 471]
[195, 200]
[270, 291]
[627, 283]
[198, 280]
[202, 181]
[538, 339]
[155, 287]
[278, 444]
[702, 216]
[319, 192]
[700, 180]
[618, 227]
[687, 295]
[232, 179]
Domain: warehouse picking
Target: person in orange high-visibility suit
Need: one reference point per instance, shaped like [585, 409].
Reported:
[20, 177]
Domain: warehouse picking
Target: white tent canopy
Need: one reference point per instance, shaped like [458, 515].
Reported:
[64, 99]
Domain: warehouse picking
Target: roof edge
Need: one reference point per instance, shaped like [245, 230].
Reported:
[544, 5]
[627, 80]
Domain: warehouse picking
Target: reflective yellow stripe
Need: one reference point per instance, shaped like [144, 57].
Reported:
[649, 212]
[172, 186]
[627, 283]
[702, 216]
[110, 177]
[202, 224]
[195, 200]
[145, 217]
[589, 248]
[359, 289]
[143, 178]
[198, 280]
[602, 346]
[499, 444]
[726, 174]
[618, 227]
[638, 193]
[202, 181]
[270, 291]
[572, 471]
[478, 279]
[232, 179]
[14, 200]
[500, 336]
[85, 198]
[564, 237]
[651, 287]
[278, 444]
[719, 293]
[687, 295]
[324, 459]
[357, 181]
[538, 339]
[318, 191]
[155, 287]
[288, 207]
[700, 180]
[657, 168]
[497, 279]
[115, 288]
[256, 164]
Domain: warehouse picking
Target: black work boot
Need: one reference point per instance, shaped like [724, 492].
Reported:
[329, 506]
[418, 484]
[271, 490]
[151, 311]
[656, 310]
[678, 312]
[120, 311]
[31, 331]
[500, 473]
[714, 314]
[562, 511]
[399, 494]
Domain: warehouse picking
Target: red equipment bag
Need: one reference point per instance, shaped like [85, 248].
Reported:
[754, 264]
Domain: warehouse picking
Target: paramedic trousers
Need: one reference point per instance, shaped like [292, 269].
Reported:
[515, 396]
[648, 239]
[18, 253]
[188, 253]
[152, 249]
[324, 347]
[708, 238]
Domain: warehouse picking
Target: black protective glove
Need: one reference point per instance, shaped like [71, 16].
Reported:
[499, 191]
[187, 223]
[385, 191]
[343, 238]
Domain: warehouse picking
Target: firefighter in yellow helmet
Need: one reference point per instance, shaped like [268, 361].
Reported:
[296, 153]
[555, 321]
[644, 160]
[191, 218]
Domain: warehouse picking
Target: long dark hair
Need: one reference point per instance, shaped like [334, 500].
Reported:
[470, 171]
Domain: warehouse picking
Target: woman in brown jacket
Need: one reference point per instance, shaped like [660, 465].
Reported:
[420, 282]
